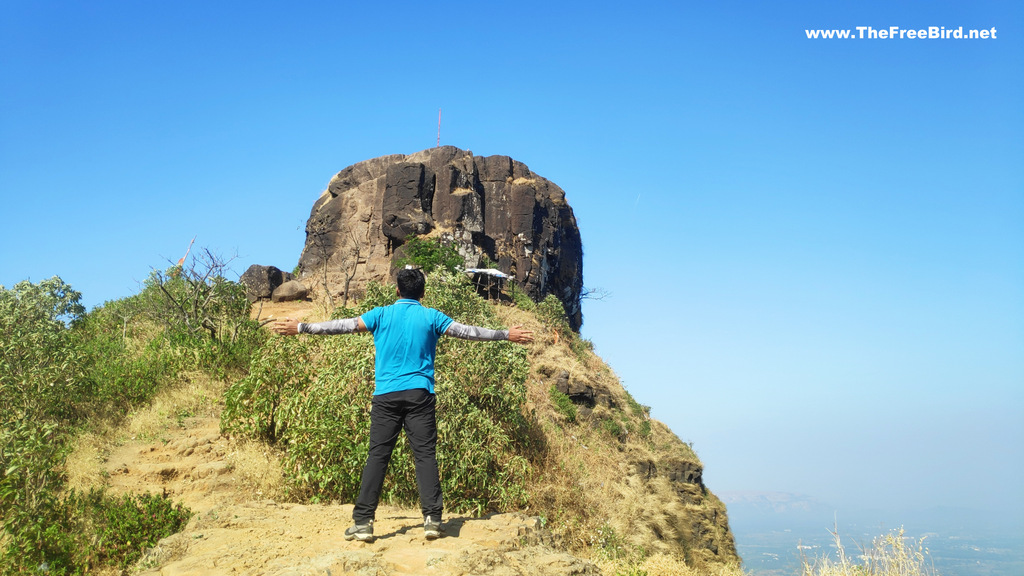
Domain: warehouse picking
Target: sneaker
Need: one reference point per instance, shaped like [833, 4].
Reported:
[432, 528]
[361, 532]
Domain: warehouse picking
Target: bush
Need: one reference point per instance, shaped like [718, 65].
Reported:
[430, 255]
[40, 368]
[612, 426]
[552, 313]
[197, 300]
[641, 412]
[563, 404]
[123, 368]
[580, 346]
[125, 527]
[42, 389]
[35, 517]
[67, 533]
[522, 300]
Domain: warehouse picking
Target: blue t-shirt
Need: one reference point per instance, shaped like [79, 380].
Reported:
[405, 335]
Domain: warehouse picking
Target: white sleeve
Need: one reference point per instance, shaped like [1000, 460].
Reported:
[475, 332]
[343, 326]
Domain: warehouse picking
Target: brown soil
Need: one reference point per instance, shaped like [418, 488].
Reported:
[297, 310]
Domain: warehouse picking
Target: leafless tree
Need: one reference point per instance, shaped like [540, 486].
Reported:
[318, 230]
[195, 296]
[353, 258]
[594, 293]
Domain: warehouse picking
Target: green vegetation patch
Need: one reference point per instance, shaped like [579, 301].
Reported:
[430, 255]
[311, 396]
[61, 368]
[563, 405]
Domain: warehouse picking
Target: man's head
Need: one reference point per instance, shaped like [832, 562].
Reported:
[411, 283]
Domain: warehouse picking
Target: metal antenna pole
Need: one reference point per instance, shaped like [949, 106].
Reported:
[438, 127]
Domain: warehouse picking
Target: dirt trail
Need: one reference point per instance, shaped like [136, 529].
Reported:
[232, 534]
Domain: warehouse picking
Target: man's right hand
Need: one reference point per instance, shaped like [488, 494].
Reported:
[519, 336]
[286, 327]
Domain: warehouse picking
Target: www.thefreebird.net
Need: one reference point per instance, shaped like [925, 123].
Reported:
[897, 33]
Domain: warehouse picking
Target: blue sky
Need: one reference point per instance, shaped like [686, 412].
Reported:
[815, 248]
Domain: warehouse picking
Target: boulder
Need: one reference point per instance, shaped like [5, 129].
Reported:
[291, 290]
[261, 281]
[486, 206]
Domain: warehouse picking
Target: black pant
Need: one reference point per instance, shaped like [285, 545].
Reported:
[415, 411]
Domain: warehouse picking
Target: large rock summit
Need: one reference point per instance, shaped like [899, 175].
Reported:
[492, 208]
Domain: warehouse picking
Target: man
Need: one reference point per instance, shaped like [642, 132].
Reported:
[405, 335]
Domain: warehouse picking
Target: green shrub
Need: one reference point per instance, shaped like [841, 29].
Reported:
[123, 368]
[612, 426]
[522, 300]
[196, 300]
[312, 396]
[127, 526]
[638, 409]
[609, 545]
[563, 404]
[253, 404]
[551, 311]
[35, 517]
[40, 368]
[378, 294]
[43, 389]
[641, 423]
[580, 346]
[430, 255]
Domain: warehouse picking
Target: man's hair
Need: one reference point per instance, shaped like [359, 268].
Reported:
[411, 283]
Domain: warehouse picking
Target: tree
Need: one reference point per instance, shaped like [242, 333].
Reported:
[195, 298]
[319, 232]
[39, 366]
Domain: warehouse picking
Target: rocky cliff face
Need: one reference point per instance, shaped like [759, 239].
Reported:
[487, 206]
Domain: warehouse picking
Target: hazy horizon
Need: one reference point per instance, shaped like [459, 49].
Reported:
[814, 248]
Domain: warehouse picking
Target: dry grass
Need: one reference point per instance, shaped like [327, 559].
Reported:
[258, 471]
[665, 565]
[84, 465]
[626, 523]
[890, 555]
[299, 310]
[195, 395]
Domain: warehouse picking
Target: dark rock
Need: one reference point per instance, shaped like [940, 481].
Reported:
[291, 290]
[579, 393]
[261, 281]
[408, 198]
[646, 469]
[682, 471]
[488, 206]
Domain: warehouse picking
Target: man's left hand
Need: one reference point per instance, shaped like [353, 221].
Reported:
[520, 336]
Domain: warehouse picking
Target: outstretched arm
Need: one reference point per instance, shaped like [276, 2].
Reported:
[289, 327]
[513, 334]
